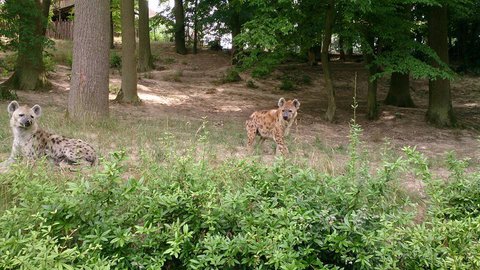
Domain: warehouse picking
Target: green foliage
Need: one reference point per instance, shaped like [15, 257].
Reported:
[49, 63]
[19, 27]
[115, 60]
[287, 84]
[184, 213]
[231, 75]
[8, 62]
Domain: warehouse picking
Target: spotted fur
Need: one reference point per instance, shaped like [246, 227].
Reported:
[31, 142]
[274, 124]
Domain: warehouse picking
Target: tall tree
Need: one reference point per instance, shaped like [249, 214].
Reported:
[440, 111]
[26, 26]
[128, 91]
[88, 97]
[145, 62]
[112, 30]
[195, 27]
[369, 53]
[179, 27]
[327, 73]
[399, 91]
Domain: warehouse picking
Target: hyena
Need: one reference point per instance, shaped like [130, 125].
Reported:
[274, 124]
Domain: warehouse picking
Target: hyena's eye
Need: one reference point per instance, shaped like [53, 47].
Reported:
[289, 110]
[31, 116]
[21, 115]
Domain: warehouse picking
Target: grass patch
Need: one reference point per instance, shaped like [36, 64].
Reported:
[61, 52]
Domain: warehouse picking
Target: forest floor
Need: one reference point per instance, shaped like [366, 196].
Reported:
[185, 91]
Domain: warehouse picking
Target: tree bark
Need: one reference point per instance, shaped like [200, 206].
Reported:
[236, 28]
[399, 91]
[128, 91]
[440, 110]
[179, 27]
[88, 97]
[145, 62]
[341, 47]
[29, 71]
[112, 33]
[327, 38]
[369, 53]
[195, 28]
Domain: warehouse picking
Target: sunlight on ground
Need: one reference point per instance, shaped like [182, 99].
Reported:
[169, 101]
[471, 105]
[228, 108]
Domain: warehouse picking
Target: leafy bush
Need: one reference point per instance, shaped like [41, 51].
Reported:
[8, 62]
[231, 75]
[305, 79]
[49, 63]
[287, 84]
[184, 213]
[115, 60]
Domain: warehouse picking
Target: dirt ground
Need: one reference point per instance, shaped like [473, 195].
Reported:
[189, 86]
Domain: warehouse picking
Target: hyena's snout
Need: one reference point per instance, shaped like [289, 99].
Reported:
[26, 121]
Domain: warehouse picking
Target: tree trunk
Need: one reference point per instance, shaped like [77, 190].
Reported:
[372, 106]
[341, 47]
[327, 38]
[144, 52]
[128, 91]
[399, 91]
[29, 71]
[195, 28]
[112, 33]
[236, 28]
[179, 28]
[88, 97]
[440, 110]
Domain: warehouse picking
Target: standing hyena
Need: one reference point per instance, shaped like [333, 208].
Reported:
[273, 124]
[31, 142]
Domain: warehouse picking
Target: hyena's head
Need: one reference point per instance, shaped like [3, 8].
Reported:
[22, 117]
[288, 108]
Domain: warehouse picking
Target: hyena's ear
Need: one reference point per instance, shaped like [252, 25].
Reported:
[37, 110]
[12, 107]
[296, 103]
[281, 101]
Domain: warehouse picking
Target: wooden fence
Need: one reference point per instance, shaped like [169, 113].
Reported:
[60, 30]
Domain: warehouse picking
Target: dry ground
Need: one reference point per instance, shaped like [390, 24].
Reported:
[184, 90]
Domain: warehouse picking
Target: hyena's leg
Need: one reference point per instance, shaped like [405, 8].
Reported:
[279, 140]
[251, 133]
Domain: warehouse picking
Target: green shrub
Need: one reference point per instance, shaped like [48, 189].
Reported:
[115, 60]
[8, 62]
[184, 213]
[69, 60]
[231, 75]
[305, 79]
[287, 84]
[49, 63]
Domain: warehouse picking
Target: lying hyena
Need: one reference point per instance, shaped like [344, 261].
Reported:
[273, 124]
[31, 142]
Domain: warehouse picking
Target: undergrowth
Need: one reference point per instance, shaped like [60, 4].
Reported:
[186, 212]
